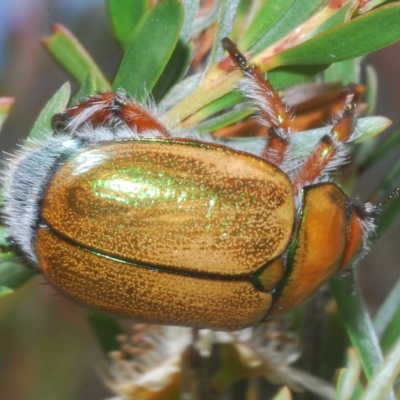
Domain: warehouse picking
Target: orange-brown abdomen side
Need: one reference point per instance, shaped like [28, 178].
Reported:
[318, 249]
[354, 242]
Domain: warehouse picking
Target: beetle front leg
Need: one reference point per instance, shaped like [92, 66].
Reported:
[96, 110]
[109, 109]
[137, 116]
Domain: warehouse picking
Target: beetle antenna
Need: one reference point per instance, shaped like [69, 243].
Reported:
[237, 56]
[395, 193]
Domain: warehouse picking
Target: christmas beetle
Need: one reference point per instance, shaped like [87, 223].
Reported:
[126, 217]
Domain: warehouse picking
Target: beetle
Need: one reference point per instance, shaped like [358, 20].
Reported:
[125, 217]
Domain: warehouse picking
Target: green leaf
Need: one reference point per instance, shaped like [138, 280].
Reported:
[299, 12]
[88, 88]
[70, 54]
[369, 127]
[341, 15]
[12, 273]
[387, 311]
[368, 148]
[370, 4]
[348, 379]
[304, 142]
[125, 16]
[5, 106]
[284, 77]
[181, 90]
[379, 153]
[227, 11]
[226, 119]
[150, 49]
[207, 20]
[106, 330]
[372, 92]
[174, 71]
[392, 332]
[345, 72]
[382, 382]
[267, 16]
[191, 8]
[358, 323]
[229, 100]
[352, 39]
[42, 127]
[334, 344]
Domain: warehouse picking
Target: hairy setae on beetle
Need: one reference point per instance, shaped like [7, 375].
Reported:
[168, 227]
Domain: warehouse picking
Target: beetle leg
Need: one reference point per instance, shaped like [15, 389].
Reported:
[272, 112]
[108, 108]
[329, 152]
[97, 110]
[137, 116]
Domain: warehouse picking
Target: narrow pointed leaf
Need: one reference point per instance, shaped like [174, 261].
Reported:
[70, 54]
[88, 88]
[56, 104]
[206, 20]
[229, 100]
[341, 15]
[370, 4]
[227, 12]
[372, 92]
[125, 15]
[150, 49]
[225, 119]
[174, 71]
[299, 12]
[334, 344]
[382, 382]
[387, 310]
[366, 127]
[191, 8]
[268, 15]
[348, 379]
[345, 72]
[360, 36]
[283, 77]
[392, 331]
[369, 127]
[180, 91]
[358, 323]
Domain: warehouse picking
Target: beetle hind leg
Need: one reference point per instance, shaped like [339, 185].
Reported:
[329, 153]
[271, 110]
